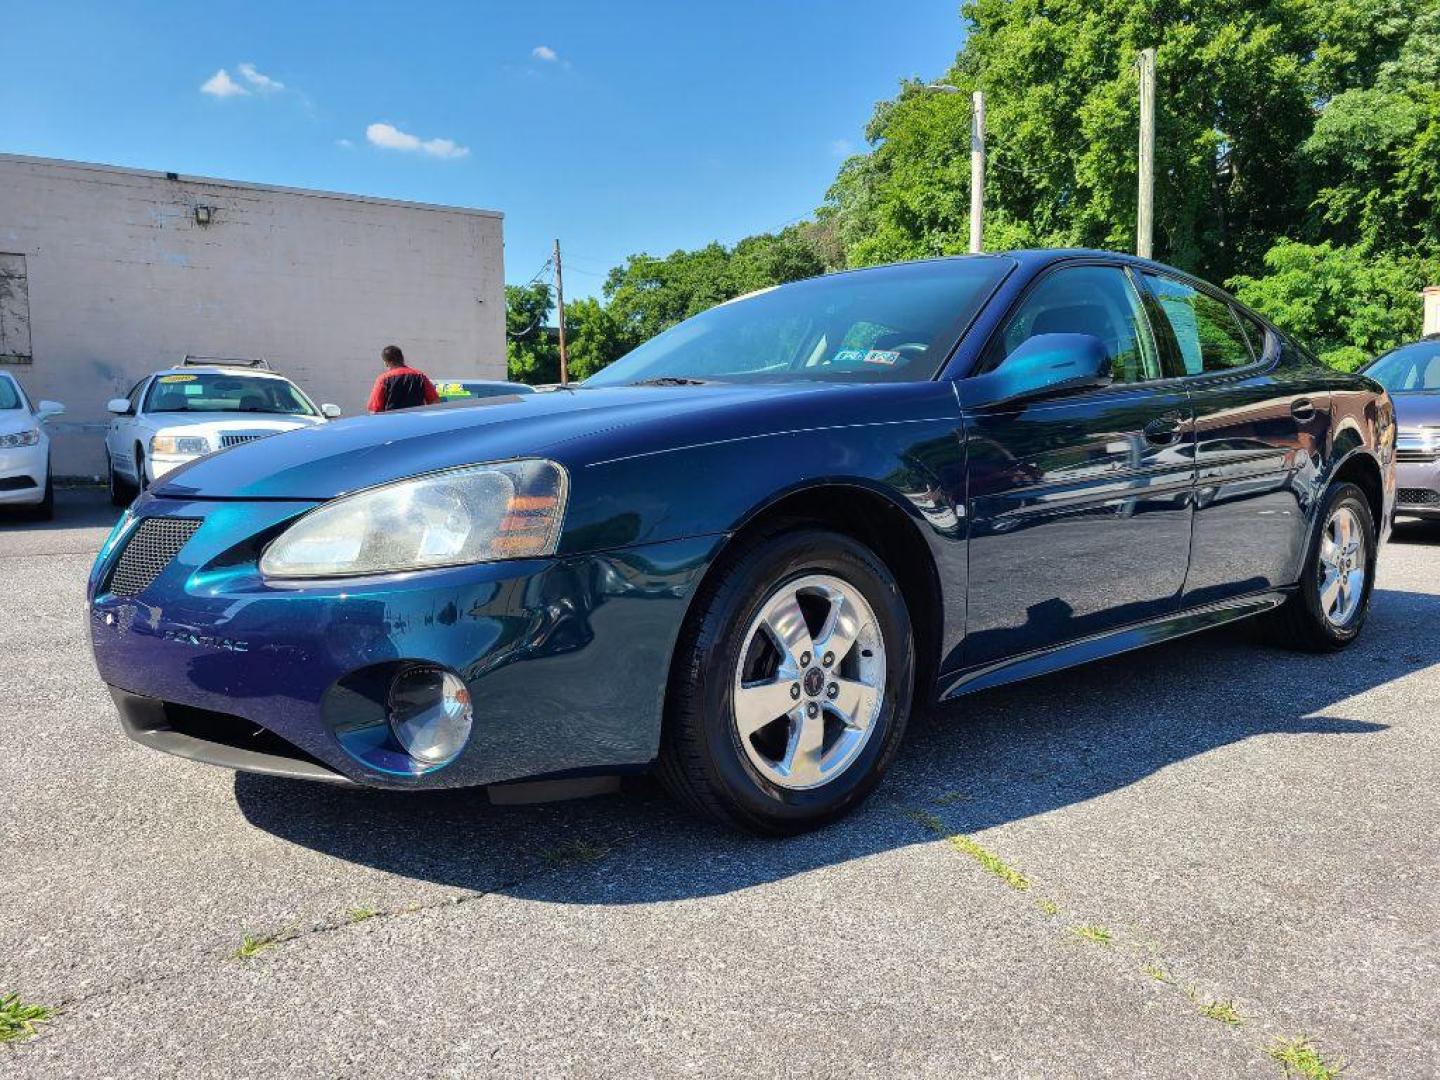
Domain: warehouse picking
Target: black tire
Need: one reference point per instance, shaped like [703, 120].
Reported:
[140, 484]
[702, 762]
[121, 493]
[1301, 622]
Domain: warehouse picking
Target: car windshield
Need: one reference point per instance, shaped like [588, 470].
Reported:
[213, 392]
[450, 391]
[888, 324]
[1409, 369]
[9, 395]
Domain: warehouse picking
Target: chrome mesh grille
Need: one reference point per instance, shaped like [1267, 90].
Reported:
[236, 440]
[149, 550]
[1419, 497]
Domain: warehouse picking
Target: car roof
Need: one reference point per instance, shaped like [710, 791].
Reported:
[197, 369]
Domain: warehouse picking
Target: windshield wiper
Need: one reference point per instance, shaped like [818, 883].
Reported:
[671, 380]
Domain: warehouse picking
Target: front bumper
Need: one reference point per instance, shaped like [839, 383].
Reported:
[23, 472]
[566, 659]
[1418, 484]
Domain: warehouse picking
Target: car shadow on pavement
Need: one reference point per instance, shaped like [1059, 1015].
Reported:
[985, 760]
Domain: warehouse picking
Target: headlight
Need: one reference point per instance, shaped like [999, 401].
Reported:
[28, 437]
[179, 444]
[509, 510]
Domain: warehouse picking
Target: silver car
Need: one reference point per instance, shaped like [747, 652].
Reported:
[1411, 373]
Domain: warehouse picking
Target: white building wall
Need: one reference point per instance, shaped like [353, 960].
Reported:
[106, 275]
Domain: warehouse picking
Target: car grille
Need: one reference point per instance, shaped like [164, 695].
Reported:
[149, 550]
[236, 440]
[1419, 497]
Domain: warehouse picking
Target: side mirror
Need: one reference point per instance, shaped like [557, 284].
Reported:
[1042, 365]
[330, 411]
[46, 409]
[119, 406]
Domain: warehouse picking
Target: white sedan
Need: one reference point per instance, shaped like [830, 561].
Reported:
[25, 478]
[174, 416]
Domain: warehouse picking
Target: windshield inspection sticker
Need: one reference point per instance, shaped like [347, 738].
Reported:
[882, 356]
[177, 378]
[847, 356]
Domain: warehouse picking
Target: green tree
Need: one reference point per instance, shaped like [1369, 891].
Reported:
[592, 338]
[531, 354]
[1343, 302]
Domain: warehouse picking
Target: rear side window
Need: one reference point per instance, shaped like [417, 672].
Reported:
[1206, 330]
[1094, 300]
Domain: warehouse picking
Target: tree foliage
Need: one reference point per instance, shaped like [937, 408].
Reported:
[1297, 157]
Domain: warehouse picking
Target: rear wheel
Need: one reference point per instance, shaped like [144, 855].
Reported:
[1329, 609]
[791, 686]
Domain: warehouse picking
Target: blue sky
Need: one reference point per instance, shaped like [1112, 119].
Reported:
[619, 127]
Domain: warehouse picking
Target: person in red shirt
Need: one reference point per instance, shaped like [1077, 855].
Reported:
[399, 385]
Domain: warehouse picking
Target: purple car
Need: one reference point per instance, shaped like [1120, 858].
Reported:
[1412, 375]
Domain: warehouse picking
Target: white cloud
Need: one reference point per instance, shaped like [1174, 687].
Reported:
[546, 53]
[264, 83]
[842, 147]
[222, 86]
[344, 144]
[389, 137]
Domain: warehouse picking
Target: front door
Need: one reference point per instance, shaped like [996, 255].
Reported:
[1080, 504]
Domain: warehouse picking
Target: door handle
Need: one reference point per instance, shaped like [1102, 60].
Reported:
[1163, 430]
[1302, 409]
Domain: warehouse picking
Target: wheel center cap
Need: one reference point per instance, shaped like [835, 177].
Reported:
[814, 682]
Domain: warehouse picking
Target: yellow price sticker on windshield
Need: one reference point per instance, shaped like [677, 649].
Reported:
[177, 378]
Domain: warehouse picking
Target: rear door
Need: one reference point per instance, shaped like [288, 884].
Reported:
[1079, 503]
[1261, 426]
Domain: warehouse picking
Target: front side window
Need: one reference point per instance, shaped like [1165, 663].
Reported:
[209, 392]
[9, 394]
[1094, 300]
[1409, 369]
[1206, 330]
[888, 324]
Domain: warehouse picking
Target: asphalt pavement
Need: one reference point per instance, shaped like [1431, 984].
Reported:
[1168, 864]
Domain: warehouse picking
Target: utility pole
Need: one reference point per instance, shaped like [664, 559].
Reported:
[977, 170]
[560, 306]
[1145, 211]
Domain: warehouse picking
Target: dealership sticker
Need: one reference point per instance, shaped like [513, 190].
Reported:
[882, 356]
[848, 356]
[177, 378]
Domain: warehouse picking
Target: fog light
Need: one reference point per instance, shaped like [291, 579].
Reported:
[430, 714]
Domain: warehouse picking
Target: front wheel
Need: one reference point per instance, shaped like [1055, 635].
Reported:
[791, 686]
[1329, 609]
[120, 492]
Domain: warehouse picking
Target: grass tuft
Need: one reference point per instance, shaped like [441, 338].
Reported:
[576, 851]
[360, 914]
[1223, 1011]
[1299, 1057]
[1049, 907]
[18, 1018]
[252, 945]
[950, 797]
[1092, 932]
[988, 860]
[1156, 972]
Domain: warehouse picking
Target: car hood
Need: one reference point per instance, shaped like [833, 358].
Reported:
[1413, 410]
[346, 455]
[13, 420]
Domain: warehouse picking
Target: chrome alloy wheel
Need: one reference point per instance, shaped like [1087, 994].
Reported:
[1341, 566]
[810, 682]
